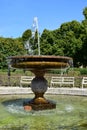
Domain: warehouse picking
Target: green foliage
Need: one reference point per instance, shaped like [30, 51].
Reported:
[55, 71]
[85, 12]
[68, 40]
[9, 47]
[83, 71]
[31, 40]
[71, 71]
[26, 35]
[80, 71]
[74, 73]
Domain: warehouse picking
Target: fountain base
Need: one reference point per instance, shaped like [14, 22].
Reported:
[39, 87]
[39, 104]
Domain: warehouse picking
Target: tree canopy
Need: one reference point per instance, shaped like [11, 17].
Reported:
[70, 39]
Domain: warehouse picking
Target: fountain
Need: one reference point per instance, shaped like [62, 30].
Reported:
[39, 65]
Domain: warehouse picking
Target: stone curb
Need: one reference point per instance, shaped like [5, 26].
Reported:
[21, 90]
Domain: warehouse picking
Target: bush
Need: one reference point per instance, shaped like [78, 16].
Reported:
[83, 71]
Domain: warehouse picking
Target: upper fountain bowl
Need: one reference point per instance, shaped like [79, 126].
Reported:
[40, 62]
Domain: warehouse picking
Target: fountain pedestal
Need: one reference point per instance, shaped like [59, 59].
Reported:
[39, 87]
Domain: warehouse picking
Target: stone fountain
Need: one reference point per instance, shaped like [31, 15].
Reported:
[39, 65]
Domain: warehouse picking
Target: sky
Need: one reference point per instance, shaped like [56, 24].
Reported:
[16, 16]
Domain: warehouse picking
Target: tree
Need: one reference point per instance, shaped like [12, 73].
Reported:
[85, 12]
[84, 39]
[26, 35]
[9, 47]
[46, 42]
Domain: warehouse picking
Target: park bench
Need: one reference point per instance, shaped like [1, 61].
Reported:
[26, 80]
[62, 81]
[56, 81]
[84, 81]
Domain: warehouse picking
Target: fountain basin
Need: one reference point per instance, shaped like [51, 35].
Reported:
[70, 113]
[40, 62]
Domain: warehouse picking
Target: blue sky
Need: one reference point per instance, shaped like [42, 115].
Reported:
[16, 16]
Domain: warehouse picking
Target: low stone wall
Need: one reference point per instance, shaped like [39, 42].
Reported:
[67, 91]
[15, 90]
